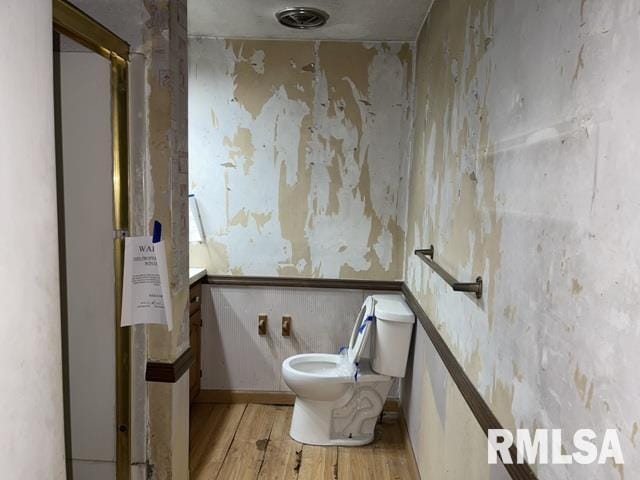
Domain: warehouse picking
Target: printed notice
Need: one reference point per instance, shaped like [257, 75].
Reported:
[146, 296]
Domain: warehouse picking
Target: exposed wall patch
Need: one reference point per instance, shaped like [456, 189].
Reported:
[306, 152]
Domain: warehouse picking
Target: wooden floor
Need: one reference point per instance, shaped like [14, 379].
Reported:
[252, 441]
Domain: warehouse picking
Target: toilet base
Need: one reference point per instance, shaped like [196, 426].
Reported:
[348, 421]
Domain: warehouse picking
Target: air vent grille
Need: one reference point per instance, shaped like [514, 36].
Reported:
[302, 18]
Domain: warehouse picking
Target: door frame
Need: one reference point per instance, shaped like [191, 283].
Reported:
[75, 24]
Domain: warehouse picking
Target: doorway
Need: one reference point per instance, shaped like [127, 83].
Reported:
[90, 87]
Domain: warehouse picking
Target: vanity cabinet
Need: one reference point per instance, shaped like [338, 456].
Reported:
[195, 329]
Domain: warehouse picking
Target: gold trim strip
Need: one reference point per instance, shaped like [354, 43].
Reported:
[74, 23]
[119, 128]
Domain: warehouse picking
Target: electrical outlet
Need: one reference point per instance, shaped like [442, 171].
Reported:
[286, 326]
[262, 324]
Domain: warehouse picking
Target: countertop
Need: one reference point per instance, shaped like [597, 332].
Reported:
[196, 274]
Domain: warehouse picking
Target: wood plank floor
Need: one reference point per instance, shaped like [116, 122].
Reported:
[249, 441]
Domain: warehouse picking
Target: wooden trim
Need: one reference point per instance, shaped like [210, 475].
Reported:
[264, 397]
[476, 403]
[202, 280]
[170, 372]
[293, 282]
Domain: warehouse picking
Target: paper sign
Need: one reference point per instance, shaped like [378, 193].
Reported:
[146, 296]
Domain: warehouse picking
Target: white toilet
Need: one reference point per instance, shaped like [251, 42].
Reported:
[340, 396]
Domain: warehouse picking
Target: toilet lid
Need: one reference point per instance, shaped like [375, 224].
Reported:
[361, 329]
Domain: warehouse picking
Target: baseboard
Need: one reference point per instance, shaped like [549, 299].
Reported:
[245, 396]
[264, 397]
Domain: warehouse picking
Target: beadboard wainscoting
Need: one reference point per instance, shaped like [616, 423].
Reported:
[235, 357]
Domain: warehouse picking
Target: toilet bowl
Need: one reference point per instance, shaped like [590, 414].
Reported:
[339, 396]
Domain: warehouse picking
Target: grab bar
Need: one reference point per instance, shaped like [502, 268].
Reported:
[426, 255]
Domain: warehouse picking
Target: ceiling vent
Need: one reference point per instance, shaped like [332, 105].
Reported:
[302, 18]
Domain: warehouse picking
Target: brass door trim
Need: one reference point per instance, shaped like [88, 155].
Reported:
[119, 128]
[75, 24]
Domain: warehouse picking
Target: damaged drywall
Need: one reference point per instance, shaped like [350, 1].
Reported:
[165, 44]
[524, 172]
[298, 156]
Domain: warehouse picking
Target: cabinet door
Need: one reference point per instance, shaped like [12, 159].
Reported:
[194, 299]
[194, 337]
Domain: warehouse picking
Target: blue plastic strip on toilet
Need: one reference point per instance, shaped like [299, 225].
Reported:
[370, 318]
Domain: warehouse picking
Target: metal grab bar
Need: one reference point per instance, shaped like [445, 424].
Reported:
[426, 255]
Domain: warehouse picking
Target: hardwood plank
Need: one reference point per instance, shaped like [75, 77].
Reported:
[252, 442]
[385, 459]
[318, 463]
[198, 415]
[282, 457]
[391, 453]
[357, 463]
[245, 457]
[211, 444]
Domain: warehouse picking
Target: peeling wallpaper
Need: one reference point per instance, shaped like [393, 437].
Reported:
[525, 172]
[298, 156]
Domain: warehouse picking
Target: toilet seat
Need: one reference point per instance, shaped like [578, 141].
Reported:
[361, 330]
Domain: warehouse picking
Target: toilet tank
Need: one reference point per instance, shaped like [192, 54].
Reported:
[392, 338]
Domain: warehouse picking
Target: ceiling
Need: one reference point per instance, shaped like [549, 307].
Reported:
[389, 20]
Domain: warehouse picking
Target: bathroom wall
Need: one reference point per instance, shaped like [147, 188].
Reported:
[31, 406]
[524, 171]
[447, 441]
[299, 153]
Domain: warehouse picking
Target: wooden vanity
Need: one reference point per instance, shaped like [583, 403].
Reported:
[196, 278]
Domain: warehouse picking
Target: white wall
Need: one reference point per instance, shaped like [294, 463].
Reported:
[88, 220]
[31, 413]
